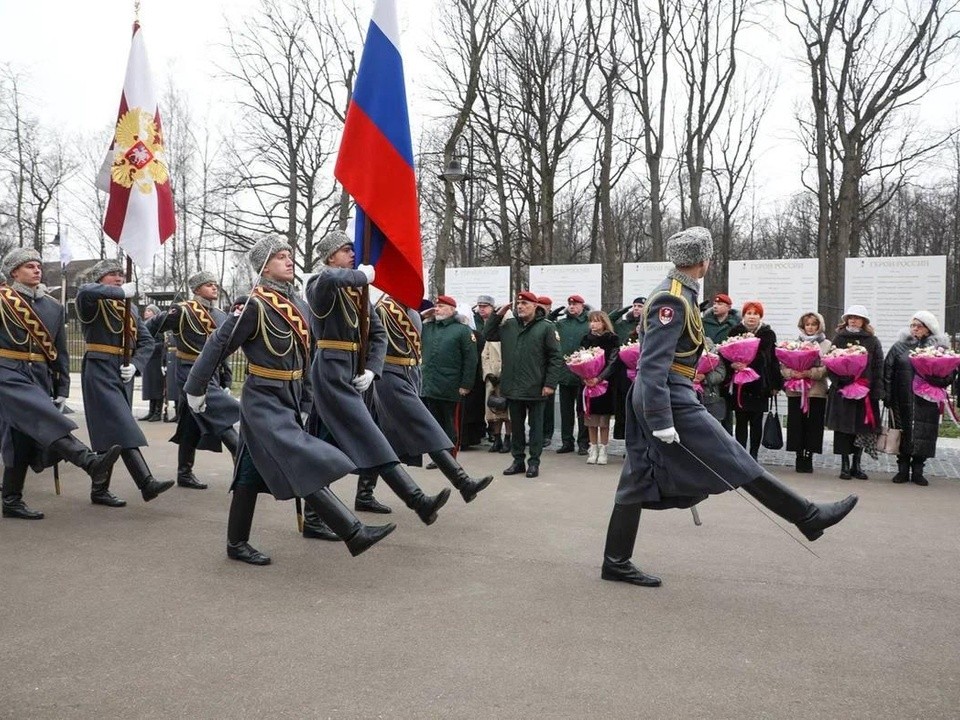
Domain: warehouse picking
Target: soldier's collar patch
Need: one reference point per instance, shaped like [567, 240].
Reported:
[665, 315]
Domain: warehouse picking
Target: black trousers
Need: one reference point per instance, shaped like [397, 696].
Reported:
[805, 430]
[444, 412]
[571, 402]
[520, 412]
[749, 423]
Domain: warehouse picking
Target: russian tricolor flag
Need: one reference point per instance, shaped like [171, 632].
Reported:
[375, 163]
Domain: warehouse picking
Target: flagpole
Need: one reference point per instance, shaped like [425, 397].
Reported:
[364, 309]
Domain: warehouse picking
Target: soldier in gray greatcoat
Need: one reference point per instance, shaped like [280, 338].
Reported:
[672, 441]
[334, 295]
[107, 379]
[191, 323]
[406, 422]
[276, 453]
[152, 382]
[34, 384]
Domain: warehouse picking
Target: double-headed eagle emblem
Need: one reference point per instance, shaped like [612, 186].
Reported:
[138, 152]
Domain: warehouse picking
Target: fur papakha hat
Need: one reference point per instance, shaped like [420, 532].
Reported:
[690, 246]
[264, 249]
[330, 243]
[102, 268]
[15, 258]
[201, 277]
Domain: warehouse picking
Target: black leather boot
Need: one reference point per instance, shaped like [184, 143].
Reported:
[345, 524]
[916, 471]
[621, 538]
[97, 465]
[231, 441]
[185, 477]
[239, 522]
[798, 463]
[808, 462]
[153, 412]
[506, 444]
[452, 470]
[365, 501]
[100, 493]
[855, 469]
[566, 447]
[903, 470]
[316, 529]
[810, 518]
[497, 444]
[533, 469]
[148, 485]
[517, 467]
[845, 467]
[13, 504]
[426, 506]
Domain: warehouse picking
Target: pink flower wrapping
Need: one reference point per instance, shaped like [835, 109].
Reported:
[852, 364]
[799, 360]
[741, 350]
[927, 366]
[707, 363]
[585, 365]
[630, 355]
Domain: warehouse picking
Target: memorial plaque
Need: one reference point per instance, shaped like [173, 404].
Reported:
[561, 281]
[786, 288]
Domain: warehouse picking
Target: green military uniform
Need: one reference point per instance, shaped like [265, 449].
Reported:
[450, 360]
[624, 323]
[531, 361]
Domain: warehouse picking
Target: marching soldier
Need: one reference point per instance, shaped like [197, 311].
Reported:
[677, 453]
[276, 453]
[191, 323]
[334, 295]
[34, 384]
[108, 382]
[401, 414]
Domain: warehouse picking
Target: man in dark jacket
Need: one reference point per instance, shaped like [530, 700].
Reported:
[449, 365]
[625, 320]
[677, 453]
[719, 320]
[572, 327]
[532, 361]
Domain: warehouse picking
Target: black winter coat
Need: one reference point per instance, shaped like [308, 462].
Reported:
[755, 396]
[849, 416]
[605, 404]
[918, 419]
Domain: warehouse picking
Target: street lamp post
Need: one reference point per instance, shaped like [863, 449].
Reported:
[455, 173]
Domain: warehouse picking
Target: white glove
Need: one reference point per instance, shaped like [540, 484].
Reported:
[362, 382]
[667, 435]
[59, 401]
[368, 271]
[197, 403]
[304, 418]
[163, 369]
[129, 289]
[127, 372]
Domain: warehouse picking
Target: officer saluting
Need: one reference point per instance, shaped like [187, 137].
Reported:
[191, 323]
[663, 411]
[34, 384]
[276, 454]
[108, 382]
[334, 295]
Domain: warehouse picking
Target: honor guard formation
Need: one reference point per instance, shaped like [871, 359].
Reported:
[339, 384]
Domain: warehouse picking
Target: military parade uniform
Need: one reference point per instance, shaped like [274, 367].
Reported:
[34, 375]
[107, 399]
[401, 414]
[335, 296]
[191, 323]
[276, 453]
[659, 471]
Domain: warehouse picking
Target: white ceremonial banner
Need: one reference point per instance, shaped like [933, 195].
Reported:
[785, 288]
[639, 279]
[465, 284]
[559, 282]
[893, 288]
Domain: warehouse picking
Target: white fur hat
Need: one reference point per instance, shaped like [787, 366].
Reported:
[264, 249]
[15, 258]
[330, 243]
[927, 318]
[857, 311]
[690, 246]
[201, 277]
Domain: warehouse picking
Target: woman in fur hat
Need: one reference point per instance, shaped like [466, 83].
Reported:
[848, 418]
[805, 428]
[917, 419]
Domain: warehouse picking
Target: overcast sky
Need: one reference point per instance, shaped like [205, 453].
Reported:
[75, 55]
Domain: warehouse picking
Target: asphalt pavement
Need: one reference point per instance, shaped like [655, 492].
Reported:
[496, 611]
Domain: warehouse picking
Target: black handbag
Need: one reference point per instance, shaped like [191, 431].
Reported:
[772, 437]
[497, 402]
